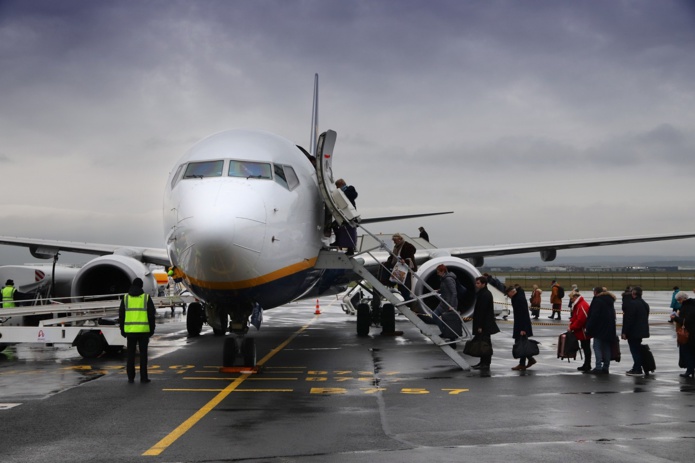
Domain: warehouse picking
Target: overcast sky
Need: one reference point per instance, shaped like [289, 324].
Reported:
[531, 120]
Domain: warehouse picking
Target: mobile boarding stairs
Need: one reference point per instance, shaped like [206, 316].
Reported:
[343, 212]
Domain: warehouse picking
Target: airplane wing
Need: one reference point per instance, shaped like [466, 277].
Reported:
[46, 249]
[548, 249]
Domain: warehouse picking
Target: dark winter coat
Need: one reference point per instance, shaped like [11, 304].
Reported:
[686, 316]
[601, 321]
[522, 319]
[484, 313]
[635, 318]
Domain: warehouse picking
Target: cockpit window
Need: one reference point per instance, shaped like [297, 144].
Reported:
[286, 176]
[280, 176]
[250, 169]
[204, 169]
[175, 178]
[291, 177]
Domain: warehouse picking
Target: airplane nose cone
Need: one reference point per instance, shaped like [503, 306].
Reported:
[221, 223]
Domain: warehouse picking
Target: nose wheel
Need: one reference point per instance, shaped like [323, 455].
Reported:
[241, 348]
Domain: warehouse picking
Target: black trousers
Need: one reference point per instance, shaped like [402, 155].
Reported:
[141, 341]
[586, 348]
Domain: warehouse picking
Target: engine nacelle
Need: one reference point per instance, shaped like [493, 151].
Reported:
[548, 255]
[112, 274]
[465, 272]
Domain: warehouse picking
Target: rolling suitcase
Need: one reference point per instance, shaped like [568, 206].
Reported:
[567, 346]
[648, 363]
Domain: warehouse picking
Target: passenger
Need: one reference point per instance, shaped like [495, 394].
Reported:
[675, 305]
[404, 252]
[600, 325]
[137, 319]
[580, 312]
[635, 328]
[522, 322]
[575, 289]
[535, 301]
[345, 235]
[555, 300]
[495, 282]
[686, 317]
[447, 291]
[423, 234]
[484, 323]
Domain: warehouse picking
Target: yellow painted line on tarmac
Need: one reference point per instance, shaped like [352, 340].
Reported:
[173, 436]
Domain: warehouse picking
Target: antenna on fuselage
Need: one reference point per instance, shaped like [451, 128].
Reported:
[315, 117]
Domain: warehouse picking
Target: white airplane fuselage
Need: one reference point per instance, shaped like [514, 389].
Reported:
[244, 237]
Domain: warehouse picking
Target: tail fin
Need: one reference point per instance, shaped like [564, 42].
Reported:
[315, 118]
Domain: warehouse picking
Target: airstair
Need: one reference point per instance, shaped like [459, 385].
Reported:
[342, 211]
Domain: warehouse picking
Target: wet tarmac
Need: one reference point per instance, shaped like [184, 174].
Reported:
[324, 394]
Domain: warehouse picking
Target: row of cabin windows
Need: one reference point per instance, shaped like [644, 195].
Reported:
[282, 174]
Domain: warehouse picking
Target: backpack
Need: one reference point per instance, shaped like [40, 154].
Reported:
[560, 292]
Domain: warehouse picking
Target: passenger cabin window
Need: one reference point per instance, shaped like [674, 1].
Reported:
[204, 169]
[248, 169]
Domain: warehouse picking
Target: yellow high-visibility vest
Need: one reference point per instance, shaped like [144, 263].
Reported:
[136, 314]
[8, 296]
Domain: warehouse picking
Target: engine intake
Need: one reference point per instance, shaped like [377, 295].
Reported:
[112, 274]
[465, 272]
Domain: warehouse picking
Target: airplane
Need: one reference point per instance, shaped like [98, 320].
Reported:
[244, 215]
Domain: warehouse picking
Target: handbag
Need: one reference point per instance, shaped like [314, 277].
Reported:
[525, 347]
[477, 347]
[682, 335]
[615, 350]
[399, 273]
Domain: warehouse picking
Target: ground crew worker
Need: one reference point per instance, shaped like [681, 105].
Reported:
[137, 318]
[10, 294]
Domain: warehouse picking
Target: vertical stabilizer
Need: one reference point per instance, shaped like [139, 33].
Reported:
[315, 117]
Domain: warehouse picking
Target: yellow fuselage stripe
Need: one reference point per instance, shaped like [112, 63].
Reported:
[250, 283]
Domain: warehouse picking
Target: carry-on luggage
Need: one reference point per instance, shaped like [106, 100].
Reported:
[452, 327]
[648, 363]
[567, 346]
[615, 350]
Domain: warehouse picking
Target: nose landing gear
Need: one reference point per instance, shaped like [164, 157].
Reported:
[239, 347]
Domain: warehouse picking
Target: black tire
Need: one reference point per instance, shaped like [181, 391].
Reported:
[388, 318]
[194, 319]
[91, 345]
[229, 352]
[363, 319]
[248, 352]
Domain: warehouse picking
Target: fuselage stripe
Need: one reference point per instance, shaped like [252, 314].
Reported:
[250, 283]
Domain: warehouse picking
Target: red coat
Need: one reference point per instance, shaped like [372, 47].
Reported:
[580, 310]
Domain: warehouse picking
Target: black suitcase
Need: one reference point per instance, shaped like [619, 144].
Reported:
[453, 326]
[648, 363]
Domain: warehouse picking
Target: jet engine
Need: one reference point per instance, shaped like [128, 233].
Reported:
[112, 274]
[465, 272]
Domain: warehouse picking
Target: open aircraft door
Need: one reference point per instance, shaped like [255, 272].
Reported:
[336, 201]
